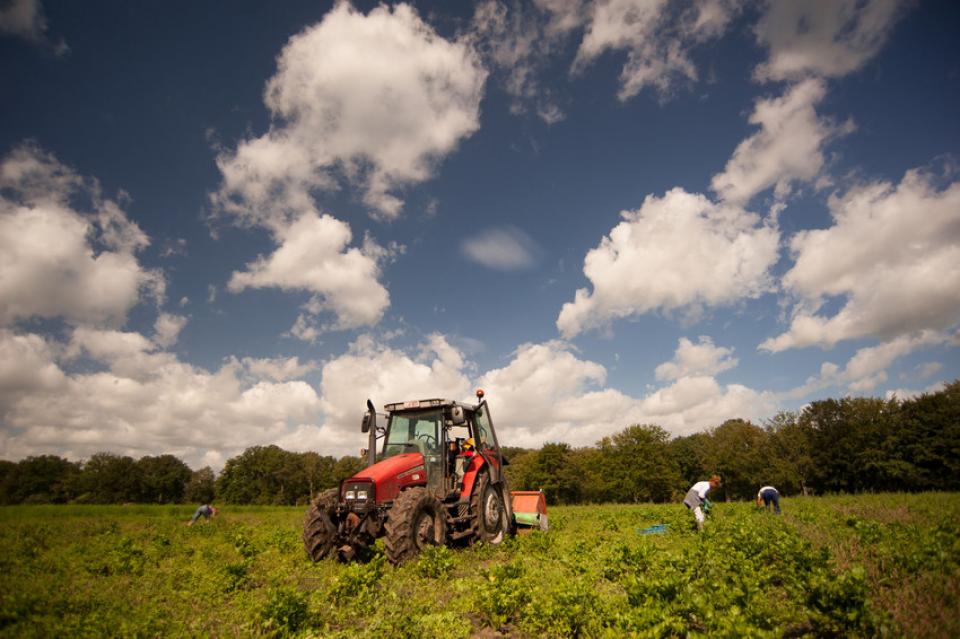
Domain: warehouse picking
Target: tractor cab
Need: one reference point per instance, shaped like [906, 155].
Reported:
[445, 434]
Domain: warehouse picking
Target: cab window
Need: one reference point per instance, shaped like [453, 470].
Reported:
[413, 432]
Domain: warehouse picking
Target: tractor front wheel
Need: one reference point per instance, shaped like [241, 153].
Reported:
[416, 520]
[319, 531]
[488, 512]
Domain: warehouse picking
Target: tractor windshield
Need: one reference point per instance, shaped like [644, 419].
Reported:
[413, 432]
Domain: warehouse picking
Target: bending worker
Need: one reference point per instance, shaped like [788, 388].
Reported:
[769, 495]
[206, 511]
[696, 498]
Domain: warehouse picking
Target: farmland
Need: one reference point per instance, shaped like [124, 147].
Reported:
[884, 564]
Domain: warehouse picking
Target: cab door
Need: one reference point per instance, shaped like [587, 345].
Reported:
[486, 440]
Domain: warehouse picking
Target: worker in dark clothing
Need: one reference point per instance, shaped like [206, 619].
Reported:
[206, 511]
[769, 495]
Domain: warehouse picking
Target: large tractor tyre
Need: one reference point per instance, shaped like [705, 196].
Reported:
[319, 531]
[488, 513]
[416, 520]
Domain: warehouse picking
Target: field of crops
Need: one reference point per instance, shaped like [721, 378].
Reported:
[836, 566]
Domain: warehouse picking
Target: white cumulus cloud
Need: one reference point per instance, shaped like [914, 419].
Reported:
[702, 358]
[167, 329]
[136, 400]
[371, 370]
[314, 255]
[828, 38]
[892, 255]
[678, 252]
[56, 261]
[547, 393]
[867, 369]
[375, 98]
[787, 148]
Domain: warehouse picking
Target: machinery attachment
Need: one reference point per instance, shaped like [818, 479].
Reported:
[530, 509]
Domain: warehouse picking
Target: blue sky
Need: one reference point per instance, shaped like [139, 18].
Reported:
[220, 230]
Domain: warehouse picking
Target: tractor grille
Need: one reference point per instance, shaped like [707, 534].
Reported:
[358, 496]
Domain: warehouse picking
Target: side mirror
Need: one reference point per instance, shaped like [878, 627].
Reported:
[369, 419]
[369, 422]
[457, 416]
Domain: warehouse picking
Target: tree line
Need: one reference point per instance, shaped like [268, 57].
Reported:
[260, 475]
[852, 444]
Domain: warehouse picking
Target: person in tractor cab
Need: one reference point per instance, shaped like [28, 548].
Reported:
[696, 499]
[463, 460]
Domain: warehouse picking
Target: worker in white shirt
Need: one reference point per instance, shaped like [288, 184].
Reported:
[696, 499]
[769, 495]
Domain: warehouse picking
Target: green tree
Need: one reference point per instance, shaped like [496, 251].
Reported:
[791, 448]
[929, 439]
[318, 471]
[554, 471]
[201, 488]
[44, 479]
[347, 467]
[255, 477]
[738, 451]
[637, 465]
[689, 454]
[163, 479]
[107, 478]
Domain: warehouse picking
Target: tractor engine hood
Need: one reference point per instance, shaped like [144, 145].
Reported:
[392, 475]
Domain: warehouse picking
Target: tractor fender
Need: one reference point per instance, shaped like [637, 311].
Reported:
[477, 464]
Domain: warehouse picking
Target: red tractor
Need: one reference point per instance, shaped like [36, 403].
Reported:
[437, 479]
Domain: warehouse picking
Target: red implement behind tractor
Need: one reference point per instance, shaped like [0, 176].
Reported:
[437, 478]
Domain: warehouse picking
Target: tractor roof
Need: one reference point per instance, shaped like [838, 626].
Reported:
[419, 404]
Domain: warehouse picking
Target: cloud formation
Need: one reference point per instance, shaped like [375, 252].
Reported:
[787, 148]
[372, 100]
[314, 255]
[376, 371]
[58, 261]
[547, 393]
[518, 42]
[825, 38]
[135, 399]
[657, 37]
[376, 99]
[867, 369]
[892, 255]
[702, 358]
[503, 249]
[26, 19]
[680, 252]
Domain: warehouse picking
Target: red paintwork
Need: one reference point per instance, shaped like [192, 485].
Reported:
[470, 475]
[384, 475]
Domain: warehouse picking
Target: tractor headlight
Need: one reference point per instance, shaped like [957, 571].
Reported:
[350, 495]
[361, 494]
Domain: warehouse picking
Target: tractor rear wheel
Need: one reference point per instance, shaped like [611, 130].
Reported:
[319, 531]
[416, 520]
[488, 512]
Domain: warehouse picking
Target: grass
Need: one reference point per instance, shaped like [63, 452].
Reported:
[869, 565]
